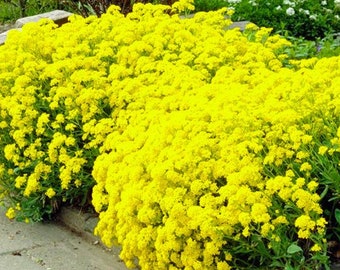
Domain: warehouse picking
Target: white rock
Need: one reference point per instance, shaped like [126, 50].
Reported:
[58, 16]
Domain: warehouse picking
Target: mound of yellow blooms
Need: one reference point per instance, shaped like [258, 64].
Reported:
[203, 149]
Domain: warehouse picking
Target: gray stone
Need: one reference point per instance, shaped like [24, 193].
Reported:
[5, 27]
[240, 24]
[3, 37]
[51, 246]
[58, 16]
[79, 222]
[19, 262]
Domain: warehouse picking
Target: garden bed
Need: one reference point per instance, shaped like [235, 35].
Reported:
[199, 146]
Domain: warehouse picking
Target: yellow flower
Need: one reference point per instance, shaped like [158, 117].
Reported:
[70, 141]
[305, 167]
[3, 124]
[251, 26]
[43, 120]
[11, 213]
[312, 185]
[302, 155]
[10, 151]
[70, 127]
[307, 201]
[244, 219]
[193, 130]
[259, 213]
[32, 184]
[20, 181]
[50, 193]
[280, 220]
[300, 182]
[322, 150]
[290, 173]
[223, 266]
[245, 231]
[183, 5]
[266, 229]
[305, 225]
[315, 248]
[60, 118]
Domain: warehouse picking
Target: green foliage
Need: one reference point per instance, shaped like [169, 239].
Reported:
[308, 19]
[10, 10]
[329, 46]
[207, 5]
[301, 48]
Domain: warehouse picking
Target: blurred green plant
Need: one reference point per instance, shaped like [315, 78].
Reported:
[308, 19]
[322, 47]
[207, 5]
[10, 10]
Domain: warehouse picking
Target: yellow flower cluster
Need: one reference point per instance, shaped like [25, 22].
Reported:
[183, 5]
[52, 101]
[198, 136]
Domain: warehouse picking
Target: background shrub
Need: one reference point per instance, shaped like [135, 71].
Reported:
[11, 10]
[308, 19]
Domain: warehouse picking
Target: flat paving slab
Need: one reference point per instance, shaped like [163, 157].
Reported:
[50, 246]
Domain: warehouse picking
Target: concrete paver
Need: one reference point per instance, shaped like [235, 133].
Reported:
[18, 263]
[50, 246]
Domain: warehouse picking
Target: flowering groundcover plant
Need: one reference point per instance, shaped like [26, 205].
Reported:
[202, 150]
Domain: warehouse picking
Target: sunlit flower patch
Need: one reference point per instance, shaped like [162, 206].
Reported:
[203, 149]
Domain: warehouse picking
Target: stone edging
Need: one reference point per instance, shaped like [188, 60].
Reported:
[80, 222]
[58, 16]
[83, 224]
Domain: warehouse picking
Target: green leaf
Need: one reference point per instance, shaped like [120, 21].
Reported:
[324, 192]
[276, 265]
[293, 248]
[337, 215]
[289, 267]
